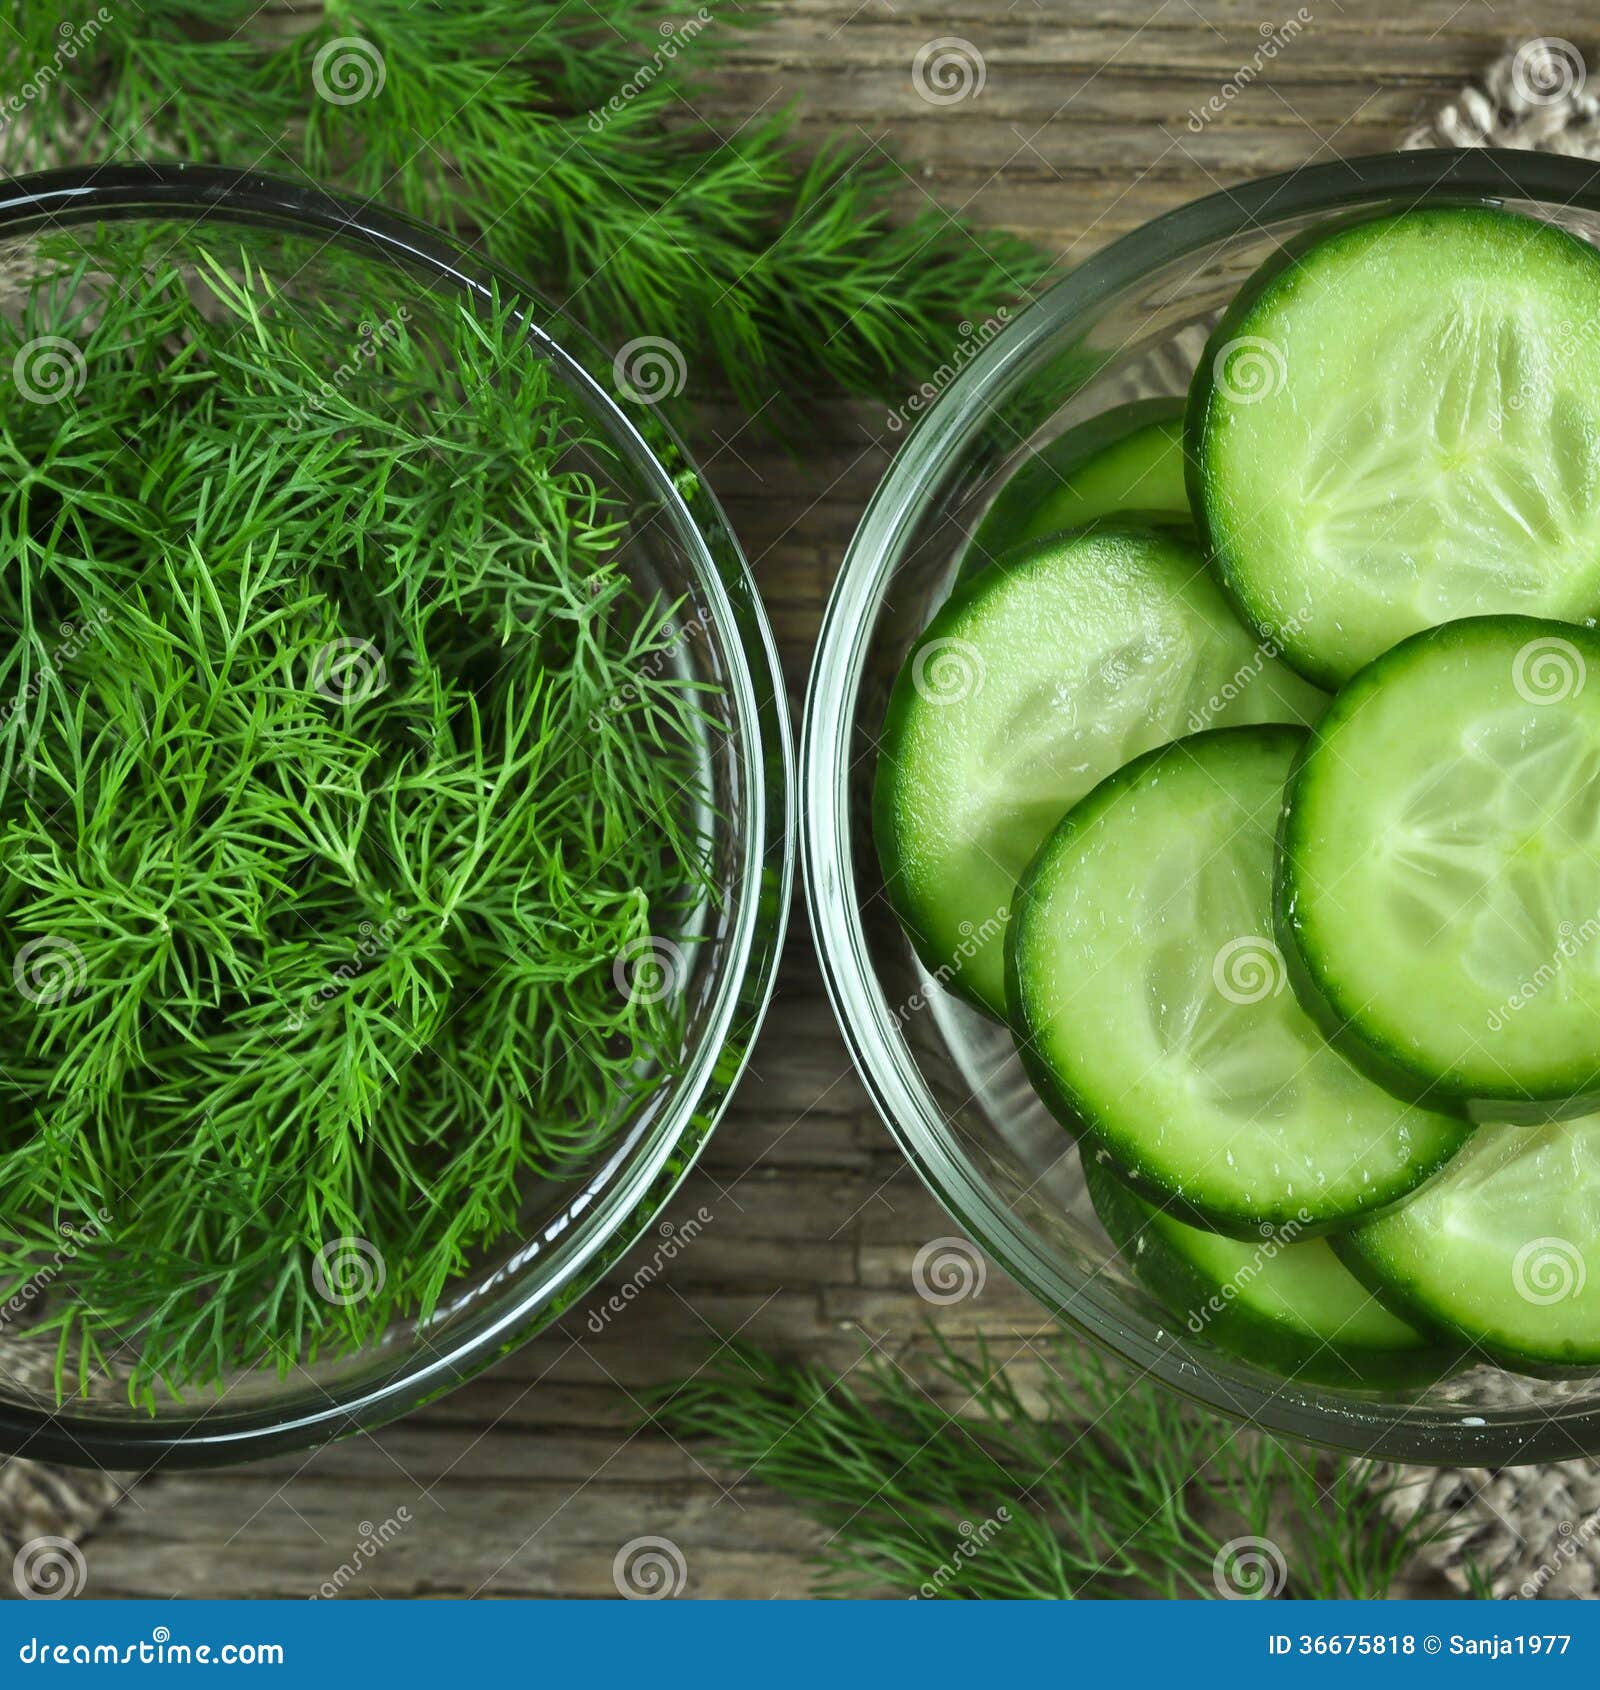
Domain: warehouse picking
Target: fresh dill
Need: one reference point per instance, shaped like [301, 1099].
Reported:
[1109, 1486]
[565, 140]
[340, 761]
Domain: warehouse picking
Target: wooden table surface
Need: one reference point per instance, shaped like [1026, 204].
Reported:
[526, 1482]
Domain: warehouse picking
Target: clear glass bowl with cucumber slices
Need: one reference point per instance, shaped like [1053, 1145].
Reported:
[1202, 780]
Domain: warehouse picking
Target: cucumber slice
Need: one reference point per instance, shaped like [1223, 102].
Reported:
[1503, 1249]
[1031, 684]
[1291, 1306]
[1398, 424]
[1126, 460]
[1440, 874]
[1151, 1012]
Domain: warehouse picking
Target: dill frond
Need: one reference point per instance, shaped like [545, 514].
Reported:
[340, 761]
[564, 140]
[1111, 1486]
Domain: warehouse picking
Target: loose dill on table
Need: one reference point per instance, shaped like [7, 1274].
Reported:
[949, 1484]
[570, 141]
[340, 762]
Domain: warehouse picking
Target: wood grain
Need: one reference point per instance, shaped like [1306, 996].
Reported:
[526, 1482]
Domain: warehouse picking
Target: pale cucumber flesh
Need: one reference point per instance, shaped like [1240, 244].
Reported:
[1402, 427]
[1503, 1249]
[1301, 1289]
[1440, 875]
[1045, 674]
[1152, 1009]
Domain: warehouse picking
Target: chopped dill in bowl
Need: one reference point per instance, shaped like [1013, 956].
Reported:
[353, 824]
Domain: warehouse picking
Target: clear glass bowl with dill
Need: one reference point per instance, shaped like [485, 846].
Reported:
[1129, 323]
[394, 834]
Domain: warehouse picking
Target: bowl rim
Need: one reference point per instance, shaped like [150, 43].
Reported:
[875, 1040]
[616, 1220]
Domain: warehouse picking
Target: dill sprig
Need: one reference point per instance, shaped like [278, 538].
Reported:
[564, 138]
[339, 763]
[1109, 1486]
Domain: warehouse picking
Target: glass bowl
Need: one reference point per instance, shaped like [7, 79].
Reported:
[1129, 323]
[676, 540]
